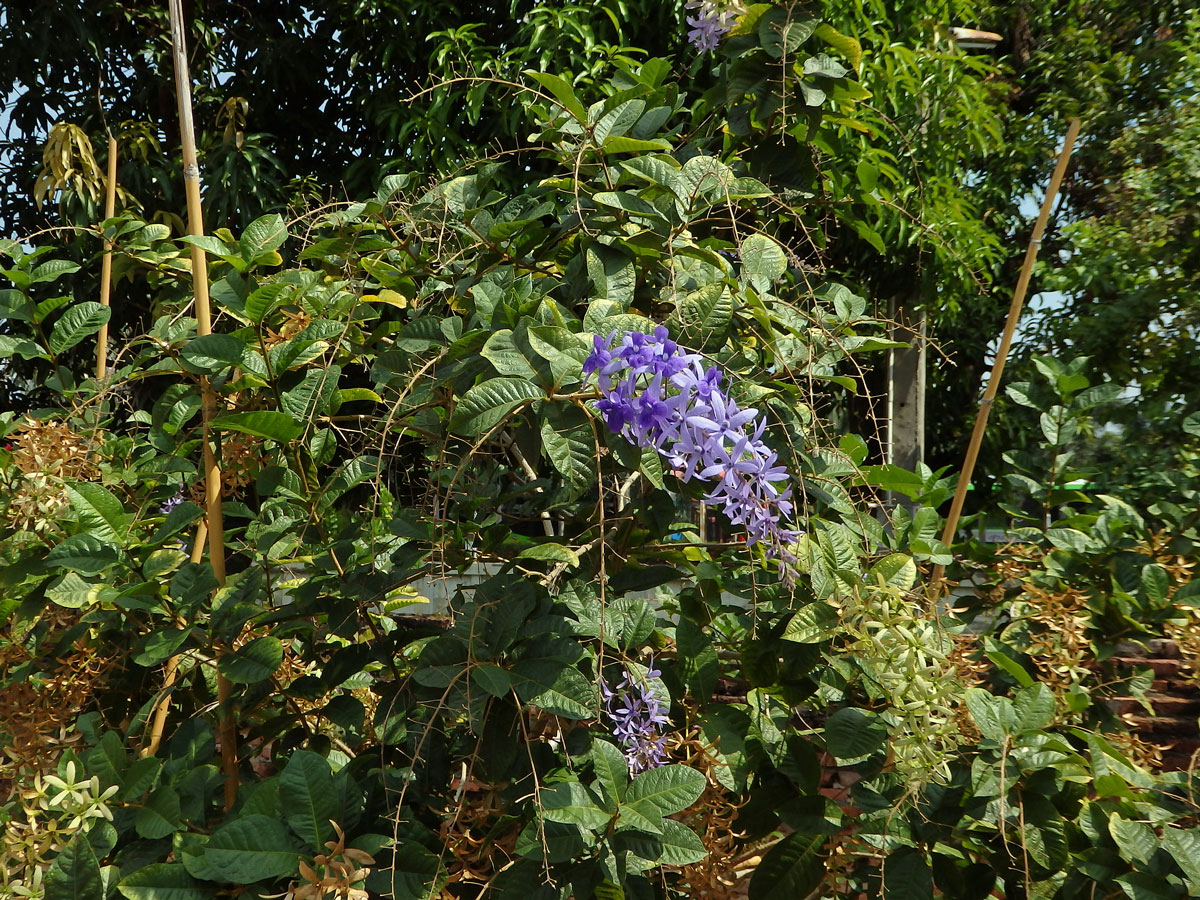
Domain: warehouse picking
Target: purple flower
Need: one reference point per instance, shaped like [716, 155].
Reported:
[709, 25]
[659, 396]
[638, 719]
[168, 505]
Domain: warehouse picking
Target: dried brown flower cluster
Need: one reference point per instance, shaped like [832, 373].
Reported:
[241, 461]
[36, 729]
[47, 454]
[336, 874]
[476, 849]
[723, 873]
[54, 449]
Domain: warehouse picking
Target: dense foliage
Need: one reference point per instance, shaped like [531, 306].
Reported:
[551, 568]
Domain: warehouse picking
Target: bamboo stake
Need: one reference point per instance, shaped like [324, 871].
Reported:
[110, 208]
[171, 670]
[1010, 327]
[214, 520]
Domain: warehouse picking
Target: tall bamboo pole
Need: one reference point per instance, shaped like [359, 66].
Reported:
[110, 208]
[1010, 327]
[213, 520]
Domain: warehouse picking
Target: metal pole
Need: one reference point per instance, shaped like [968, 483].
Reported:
[1010, 327]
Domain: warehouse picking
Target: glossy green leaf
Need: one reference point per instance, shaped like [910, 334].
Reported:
[306, 797]
[907, 876]
[486, 405]
[80, 321]
[665, 791]
[164, 881]
[791, 869]
[250, 849]
[75, 873]
[852, 733]
[99, 511]
[264, 423]
[571, 803]
[253, 662]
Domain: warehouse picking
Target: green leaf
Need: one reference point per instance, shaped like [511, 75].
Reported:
[993, 716]
[1136, 841]
[568, 444]
[555, 687]
[550, 552]
[264, 299]
[213, 247]
[1155, 582]
[210, 353]
[698, 661]
[612, 771]
[665, 791]
[779, 33]
[263, 423]
[1146, 886]
[159, 645]
[493, 679]
[825, 66]
[628, 202]
[99, 511]
[1011, 666]
[852, 733]
[52, 270]
[896, 570]
[844, 44]
[251, 849]
[1033, 709]
[83, 553]
[160, 816]
[563, 350]
[307, 798]
[1184, 846]
[704, 314]
[72, 592]
[671, 844]
[264, 235]
[791, 870]
[501, 351]
[75, 872]
[763, 258]
[679, 845]
[620, 144]
[253, 662]
[907, 876]
[812, 624]
[164, 881]
[177, 519]
[619, 120]
[76, 323]
[571, 803]
[486, 405]
[562, 92]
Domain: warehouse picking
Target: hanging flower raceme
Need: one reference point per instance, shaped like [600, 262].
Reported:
[711, 22]
[658, 395]
[638, 718]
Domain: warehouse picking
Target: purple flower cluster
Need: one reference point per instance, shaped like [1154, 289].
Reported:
[709, 25]
[170, 504]
[637, 716]
[656, 394]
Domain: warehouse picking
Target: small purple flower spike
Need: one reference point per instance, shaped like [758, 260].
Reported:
[659, 396]
[709, 25]
[638, 720]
